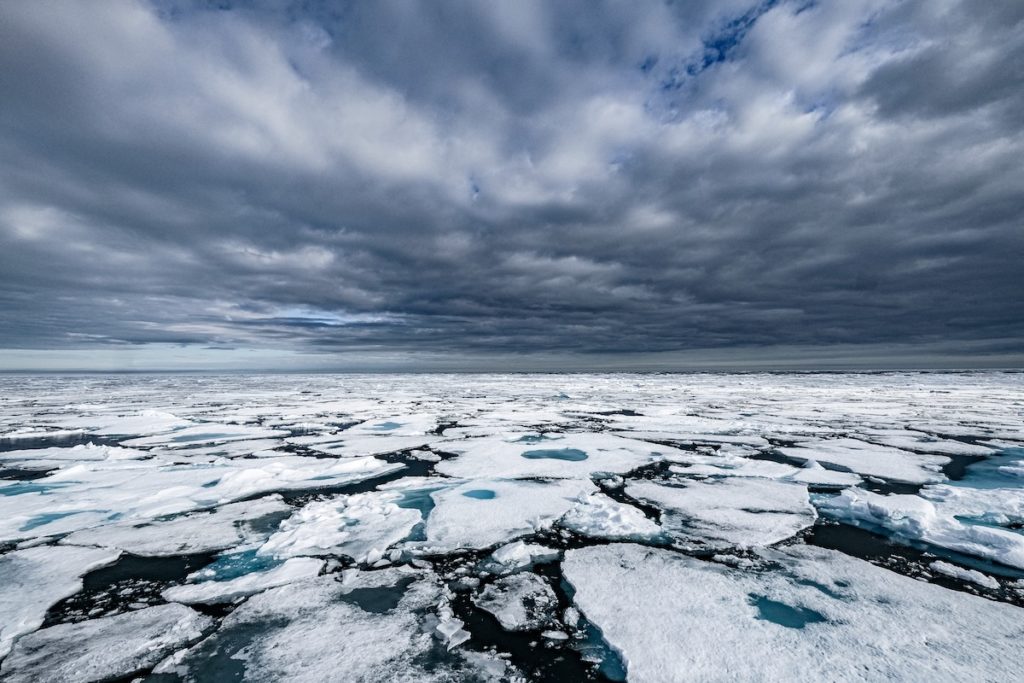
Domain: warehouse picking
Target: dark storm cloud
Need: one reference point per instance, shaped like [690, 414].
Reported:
[510, 177]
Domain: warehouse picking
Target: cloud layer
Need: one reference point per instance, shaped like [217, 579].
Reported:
[511, 177]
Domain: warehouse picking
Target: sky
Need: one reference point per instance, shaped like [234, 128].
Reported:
[511, 185]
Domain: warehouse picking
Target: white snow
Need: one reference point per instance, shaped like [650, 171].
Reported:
[507, 457]
[223, 527]
[912, 518]
[971, 575]
[872, 460]
[518, 555]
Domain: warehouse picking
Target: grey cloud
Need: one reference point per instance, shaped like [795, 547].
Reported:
[510, 178]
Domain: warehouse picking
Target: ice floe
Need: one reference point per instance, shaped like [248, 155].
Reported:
[820, 616]
[104, 649]
[212, 592]
[912, 518]
[732, 511]
[483, 512]
[223, 527]
[560, 455]
[361, 526]
[599, 516]
[372, 627]
[871, 460]
[34, 579]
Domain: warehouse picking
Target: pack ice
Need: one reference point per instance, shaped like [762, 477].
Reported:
[676, 527]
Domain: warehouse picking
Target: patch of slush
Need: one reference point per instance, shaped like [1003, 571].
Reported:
[521, 602]
[518, 508]
[213, 592]
[34, 579]
[735, 512]
[103, 649]
[830, 617]
[871, 460]
[911, 518]
[361, 526]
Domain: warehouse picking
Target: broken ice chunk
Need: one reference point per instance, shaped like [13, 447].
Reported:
[971, 575]
[518, 555]
[521, 602]
[599, 516]
[362, 526]
[213, 592]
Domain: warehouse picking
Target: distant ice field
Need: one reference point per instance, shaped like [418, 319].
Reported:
[663, 527]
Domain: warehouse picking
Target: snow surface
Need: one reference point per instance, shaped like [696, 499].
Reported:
[361, 526]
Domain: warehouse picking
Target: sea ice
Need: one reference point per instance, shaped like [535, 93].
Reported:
[518, 555]
[971, 575]
[911, 518]
[34, 579]
[92, 494]
[599, 516]
[204, 531]
[820, 616]
[733, 511]
[520, 602]
[871, 460]
[212, 592]
[322, 629]
[483, 512]
[108, 648]
[574, 455]
[362, 526]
